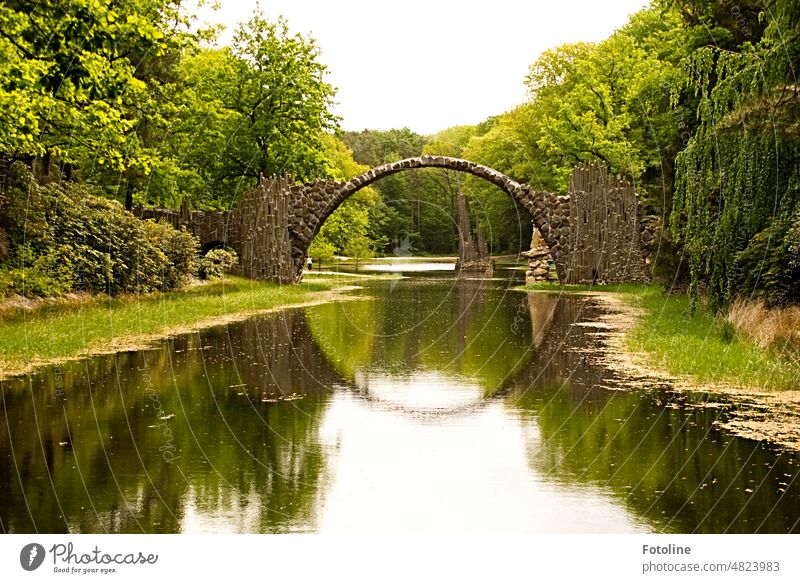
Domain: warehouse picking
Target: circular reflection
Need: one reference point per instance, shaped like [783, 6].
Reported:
[409, 266]
[424, 391]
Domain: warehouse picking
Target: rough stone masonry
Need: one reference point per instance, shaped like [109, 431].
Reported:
[595, 233]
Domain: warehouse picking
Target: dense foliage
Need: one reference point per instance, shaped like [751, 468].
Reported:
[697, 102]
[260, 106]
[737, 202]
[62, 239]
[76, 78]
[122, 100]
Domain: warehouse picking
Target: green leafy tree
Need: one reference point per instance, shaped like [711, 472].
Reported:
[260, 106]
[402, 208]
[737, 195]
[363, 215]
[321, 250]
[359, 247]
[69, 85]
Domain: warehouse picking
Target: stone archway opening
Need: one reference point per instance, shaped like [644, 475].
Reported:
[313, 203]
[211, 245]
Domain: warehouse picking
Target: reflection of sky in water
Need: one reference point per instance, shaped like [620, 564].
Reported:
[463, 473]
[419, 390]
[232, 512]
[409, 267]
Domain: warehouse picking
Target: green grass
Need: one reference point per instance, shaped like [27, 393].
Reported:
[68, 329]
[703, 346]
[555, 287]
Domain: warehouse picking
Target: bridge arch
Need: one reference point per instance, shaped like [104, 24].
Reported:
[314, 202]
[595, 232]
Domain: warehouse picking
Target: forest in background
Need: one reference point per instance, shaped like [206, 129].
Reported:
[696, 101]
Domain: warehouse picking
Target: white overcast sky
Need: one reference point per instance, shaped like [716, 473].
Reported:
[431, 64]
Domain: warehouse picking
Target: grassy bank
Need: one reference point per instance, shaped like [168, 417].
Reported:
[704, 348]
[70, 328]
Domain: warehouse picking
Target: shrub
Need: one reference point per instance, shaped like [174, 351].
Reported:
[5, 245]
[768, 268]
[180, 249]
[216, 262]
[62, 238]
[669, 266]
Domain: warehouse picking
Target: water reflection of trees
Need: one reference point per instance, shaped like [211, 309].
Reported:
[94, 459]
[665, 461]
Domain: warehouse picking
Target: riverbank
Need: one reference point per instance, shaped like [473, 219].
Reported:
[49, 332]
[652, 339]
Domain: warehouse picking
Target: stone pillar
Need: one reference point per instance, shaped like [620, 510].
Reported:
[264, 232]
[539, 259]
[605, 229]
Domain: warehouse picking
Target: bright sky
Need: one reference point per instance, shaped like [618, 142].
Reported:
[432, 64]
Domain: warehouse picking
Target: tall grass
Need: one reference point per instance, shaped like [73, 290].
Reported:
[768, 328]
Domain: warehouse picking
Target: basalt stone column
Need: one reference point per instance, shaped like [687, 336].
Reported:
[605, 240]
[210, 227]
[264, 230]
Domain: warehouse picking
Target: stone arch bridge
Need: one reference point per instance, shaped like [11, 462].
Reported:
[596, 232]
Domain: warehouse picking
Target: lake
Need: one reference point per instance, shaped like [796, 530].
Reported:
[427, 404]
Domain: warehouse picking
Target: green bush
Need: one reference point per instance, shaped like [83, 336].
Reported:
[5, 245]
[180, 249]
[63, 238]
[216, 262]
[669, 267]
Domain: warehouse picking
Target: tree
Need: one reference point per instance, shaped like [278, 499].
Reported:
[260, 106]
[362, 215]
[737, 201]
[69, 85]
[321, 249]
[359, 247]
[401, 211]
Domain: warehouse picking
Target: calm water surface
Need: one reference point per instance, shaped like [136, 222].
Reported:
[427, 404]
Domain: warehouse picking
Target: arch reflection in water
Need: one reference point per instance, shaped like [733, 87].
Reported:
[466, 330]
[424, 443]
[422, 392]
[464, 473]
[318, 420]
